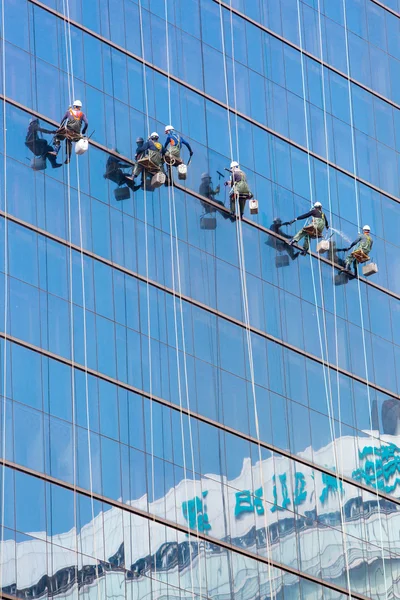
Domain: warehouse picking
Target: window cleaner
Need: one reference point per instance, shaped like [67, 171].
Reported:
[312, 230]
[153, 151]
[71, 130]
[149, 161]
[239, 188]
[159, 177]
[155, 137]
[172, 152]
[154, 154]
[363, 245]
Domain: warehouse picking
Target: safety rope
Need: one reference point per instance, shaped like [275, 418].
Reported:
[231, 158]
[110, 50]
[71, 304]
[71, 89]
[330, 402]
[242, 271]
[323, 338]
[356, 191]
[174, 229]
[71, 295]
[241, 260]
[215, 353]
[5, 342]
[145, 198]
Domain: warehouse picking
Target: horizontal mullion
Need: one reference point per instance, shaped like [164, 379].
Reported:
[186, 191]
[188, 299]
[202, 418]
[306, 52]
[121, 570]
[197, 303]
[223, 104]
[387, 8]
[171, 525]
[244, 17]
[201, 305]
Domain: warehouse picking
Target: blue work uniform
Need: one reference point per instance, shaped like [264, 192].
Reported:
[174, 140]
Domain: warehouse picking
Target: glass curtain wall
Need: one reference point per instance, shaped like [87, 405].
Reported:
[191, 408]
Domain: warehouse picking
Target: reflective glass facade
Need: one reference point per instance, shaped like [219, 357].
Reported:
[190, 408]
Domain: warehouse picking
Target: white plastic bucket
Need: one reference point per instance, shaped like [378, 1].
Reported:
[81, 146]
[253, 207]
[158, 180]
[369, 269]
[182, 171]
[323, 246]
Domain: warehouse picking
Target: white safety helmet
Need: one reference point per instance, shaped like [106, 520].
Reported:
[234, 164]
[317, 205]
[77, 103]
[366, 228]
[168, 128]
[154, 136]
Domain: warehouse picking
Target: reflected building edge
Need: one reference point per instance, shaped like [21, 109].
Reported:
[304, 517]
[201, 332]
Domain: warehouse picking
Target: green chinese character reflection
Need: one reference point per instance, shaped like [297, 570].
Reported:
[284, 503]
[332, 486]
[195, 513]
[300, 494]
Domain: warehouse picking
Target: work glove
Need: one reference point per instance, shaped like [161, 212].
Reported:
[286, 223]
[227, 183]
[292, 221]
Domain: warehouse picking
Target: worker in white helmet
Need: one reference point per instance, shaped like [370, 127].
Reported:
[151, 150]
[173, 145]
[155, 149]
[363, 242]
[72, 122]
[240, 190]
[319, 222]
[154, 137]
